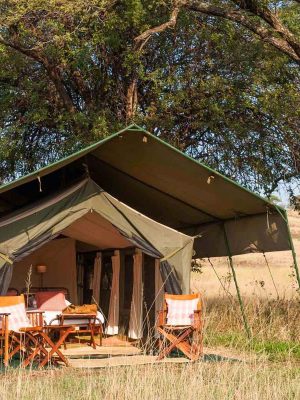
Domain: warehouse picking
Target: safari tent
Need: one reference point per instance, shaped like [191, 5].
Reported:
[121, 220]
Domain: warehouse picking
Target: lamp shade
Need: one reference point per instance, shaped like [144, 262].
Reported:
[41, 268]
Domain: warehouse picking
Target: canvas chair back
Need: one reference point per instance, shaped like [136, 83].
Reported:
[15, 307]
[180, 309]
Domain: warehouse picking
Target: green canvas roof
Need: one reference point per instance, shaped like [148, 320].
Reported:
[168, 186]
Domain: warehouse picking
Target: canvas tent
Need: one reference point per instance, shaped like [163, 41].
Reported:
[157, 180]
[169, 187]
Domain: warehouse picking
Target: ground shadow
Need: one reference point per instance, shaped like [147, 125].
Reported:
[218, 358]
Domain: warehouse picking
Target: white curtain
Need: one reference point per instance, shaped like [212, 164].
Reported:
[159, 289]
[97, 277]
[113, 313]
[136, 312]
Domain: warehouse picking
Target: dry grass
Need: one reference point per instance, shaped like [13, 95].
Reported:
[275, 326]
[269, 369]
[192, 381]
[268, 319]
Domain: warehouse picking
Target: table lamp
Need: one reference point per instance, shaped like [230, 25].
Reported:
[41, 269]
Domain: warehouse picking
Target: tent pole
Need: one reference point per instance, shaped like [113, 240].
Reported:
[293, 251]
[247, 329]
[284, 216]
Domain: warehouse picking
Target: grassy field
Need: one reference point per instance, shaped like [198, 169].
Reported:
[267, 367]
[206, 380]
[275, 326]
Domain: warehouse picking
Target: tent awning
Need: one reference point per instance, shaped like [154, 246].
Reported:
[166, 185]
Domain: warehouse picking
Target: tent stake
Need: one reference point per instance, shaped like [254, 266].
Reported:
[247, 329]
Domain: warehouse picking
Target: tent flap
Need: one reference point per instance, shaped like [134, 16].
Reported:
[256, 234]
[89, 205]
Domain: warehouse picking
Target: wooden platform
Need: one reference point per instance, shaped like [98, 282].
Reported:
[100, 352]
[116, 352]
[114, 361]
[111, 354]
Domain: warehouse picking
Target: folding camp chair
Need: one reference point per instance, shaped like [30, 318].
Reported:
[180, 326]
[24, 333]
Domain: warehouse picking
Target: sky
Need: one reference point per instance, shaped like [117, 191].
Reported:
[283, 193]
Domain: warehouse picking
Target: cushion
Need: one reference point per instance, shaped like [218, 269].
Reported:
[12, 292]
[181, 312]
[84, 309]
[17, 318]
[50, 301]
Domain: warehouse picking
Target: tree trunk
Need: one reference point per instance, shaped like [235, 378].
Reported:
[131, 100]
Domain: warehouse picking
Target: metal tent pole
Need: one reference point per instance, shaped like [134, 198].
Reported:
[246, 325]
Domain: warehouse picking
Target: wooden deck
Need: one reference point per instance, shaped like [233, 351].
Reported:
[115, 361]
[111, 355]
[116, 352]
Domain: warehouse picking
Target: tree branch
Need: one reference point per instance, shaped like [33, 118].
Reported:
[262, 11]
[53, 71]
[139, 43]
[142, 39]
[244, 19]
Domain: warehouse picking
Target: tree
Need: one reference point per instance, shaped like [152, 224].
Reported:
[218, 79]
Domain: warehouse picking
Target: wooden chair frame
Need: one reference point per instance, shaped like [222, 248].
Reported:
[187, 338]
[32, 342]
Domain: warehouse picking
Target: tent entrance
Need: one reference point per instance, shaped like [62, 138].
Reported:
[136, 287]
[85, 270]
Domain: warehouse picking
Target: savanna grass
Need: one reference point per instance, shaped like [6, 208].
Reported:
[275, 326]
[204, 380]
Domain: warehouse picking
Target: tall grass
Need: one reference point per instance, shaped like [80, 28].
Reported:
[244, 372]
[268, 319]
[209, 381]
[275, 325]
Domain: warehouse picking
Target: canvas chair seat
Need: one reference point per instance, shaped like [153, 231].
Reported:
[180, 326]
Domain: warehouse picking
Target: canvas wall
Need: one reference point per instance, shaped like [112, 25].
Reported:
[60, 257]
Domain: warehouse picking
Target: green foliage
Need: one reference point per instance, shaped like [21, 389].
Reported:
[207, 86]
